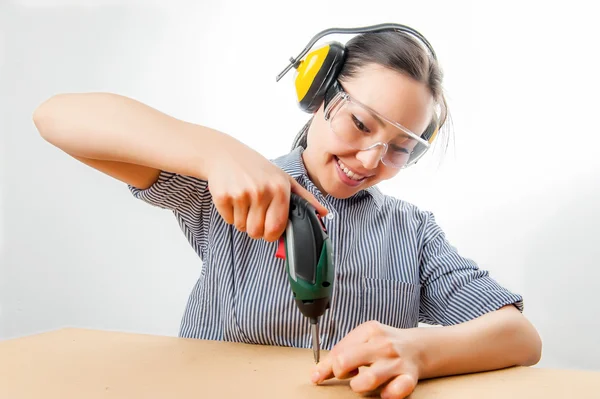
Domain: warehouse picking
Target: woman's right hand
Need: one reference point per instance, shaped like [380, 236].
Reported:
[253, 194]
[133, 142]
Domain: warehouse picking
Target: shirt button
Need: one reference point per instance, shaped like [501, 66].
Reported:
[329, 216]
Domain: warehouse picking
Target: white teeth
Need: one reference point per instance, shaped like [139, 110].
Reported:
[348, 172]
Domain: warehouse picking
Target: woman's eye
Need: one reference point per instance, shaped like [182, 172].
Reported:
[398, 149]
[359, 125]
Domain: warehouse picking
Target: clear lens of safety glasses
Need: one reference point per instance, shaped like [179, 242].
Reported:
[361, 128]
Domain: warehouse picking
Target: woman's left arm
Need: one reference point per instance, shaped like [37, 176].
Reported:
[397, 359]
[499, 339]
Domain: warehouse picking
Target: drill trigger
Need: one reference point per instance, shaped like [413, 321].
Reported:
[280, 249]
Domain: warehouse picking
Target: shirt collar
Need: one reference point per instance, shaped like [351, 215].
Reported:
[293, 165]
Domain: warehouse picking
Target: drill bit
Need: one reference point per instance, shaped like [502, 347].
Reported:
[315, 338]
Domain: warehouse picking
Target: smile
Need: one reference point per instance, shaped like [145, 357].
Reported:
[348, 172]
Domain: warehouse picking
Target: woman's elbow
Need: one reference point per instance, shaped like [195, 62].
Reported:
[532, 348]
[535, 352]
[44, 118]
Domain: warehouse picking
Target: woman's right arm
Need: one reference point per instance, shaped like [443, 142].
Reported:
[133, 142]
[125, 138]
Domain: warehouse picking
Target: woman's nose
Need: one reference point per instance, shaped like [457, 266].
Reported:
[371, 157]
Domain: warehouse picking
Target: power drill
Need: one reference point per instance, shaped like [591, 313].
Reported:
[306, 248]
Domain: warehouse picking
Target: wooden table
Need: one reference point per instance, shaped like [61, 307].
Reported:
[79, 363]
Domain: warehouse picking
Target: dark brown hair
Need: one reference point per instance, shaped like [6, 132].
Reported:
[398, 51]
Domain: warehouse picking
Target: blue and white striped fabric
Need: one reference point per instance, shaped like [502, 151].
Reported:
[392, 264]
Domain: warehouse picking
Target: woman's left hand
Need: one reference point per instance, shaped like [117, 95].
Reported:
[389, 360]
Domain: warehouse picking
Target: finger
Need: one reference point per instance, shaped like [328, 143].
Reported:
[276, 217]
[255, 226]
[359, 335]
[316, 377]
[224, 206]
[240, 212]
[377, 374]
[400, 387]
[304, 193]
[352, 357]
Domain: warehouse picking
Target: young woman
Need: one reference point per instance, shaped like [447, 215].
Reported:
[394, 266]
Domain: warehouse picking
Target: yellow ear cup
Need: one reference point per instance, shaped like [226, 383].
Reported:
[431, 132]
[316, 72]
[308, 69]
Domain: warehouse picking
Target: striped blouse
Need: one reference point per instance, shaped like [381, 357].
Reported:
[392, 263]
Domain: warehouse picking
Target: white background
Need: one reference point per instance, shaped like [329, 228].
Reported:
[517, 190]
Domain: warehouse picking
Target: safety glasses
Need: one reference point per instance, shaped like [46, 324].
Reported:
[359, 127]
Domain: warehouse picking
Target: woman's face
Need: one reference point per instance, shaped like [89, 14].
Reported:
[336, 167]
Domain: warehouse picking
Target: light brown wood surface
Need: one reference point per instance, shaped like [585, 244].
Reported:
[79, 363]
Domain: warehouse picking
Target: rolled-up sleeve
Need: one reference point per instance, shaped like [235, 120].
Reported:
[454, 288]
[188, 198]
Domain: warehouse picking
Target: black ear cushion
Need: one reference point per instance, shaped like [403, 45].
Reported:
[332, 65]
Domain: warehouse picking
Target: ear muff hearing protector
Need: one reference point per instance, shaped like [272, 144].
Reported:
[317, 70]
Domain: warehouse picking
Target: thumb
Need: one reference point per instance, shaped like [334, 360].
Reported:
[304, 193]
